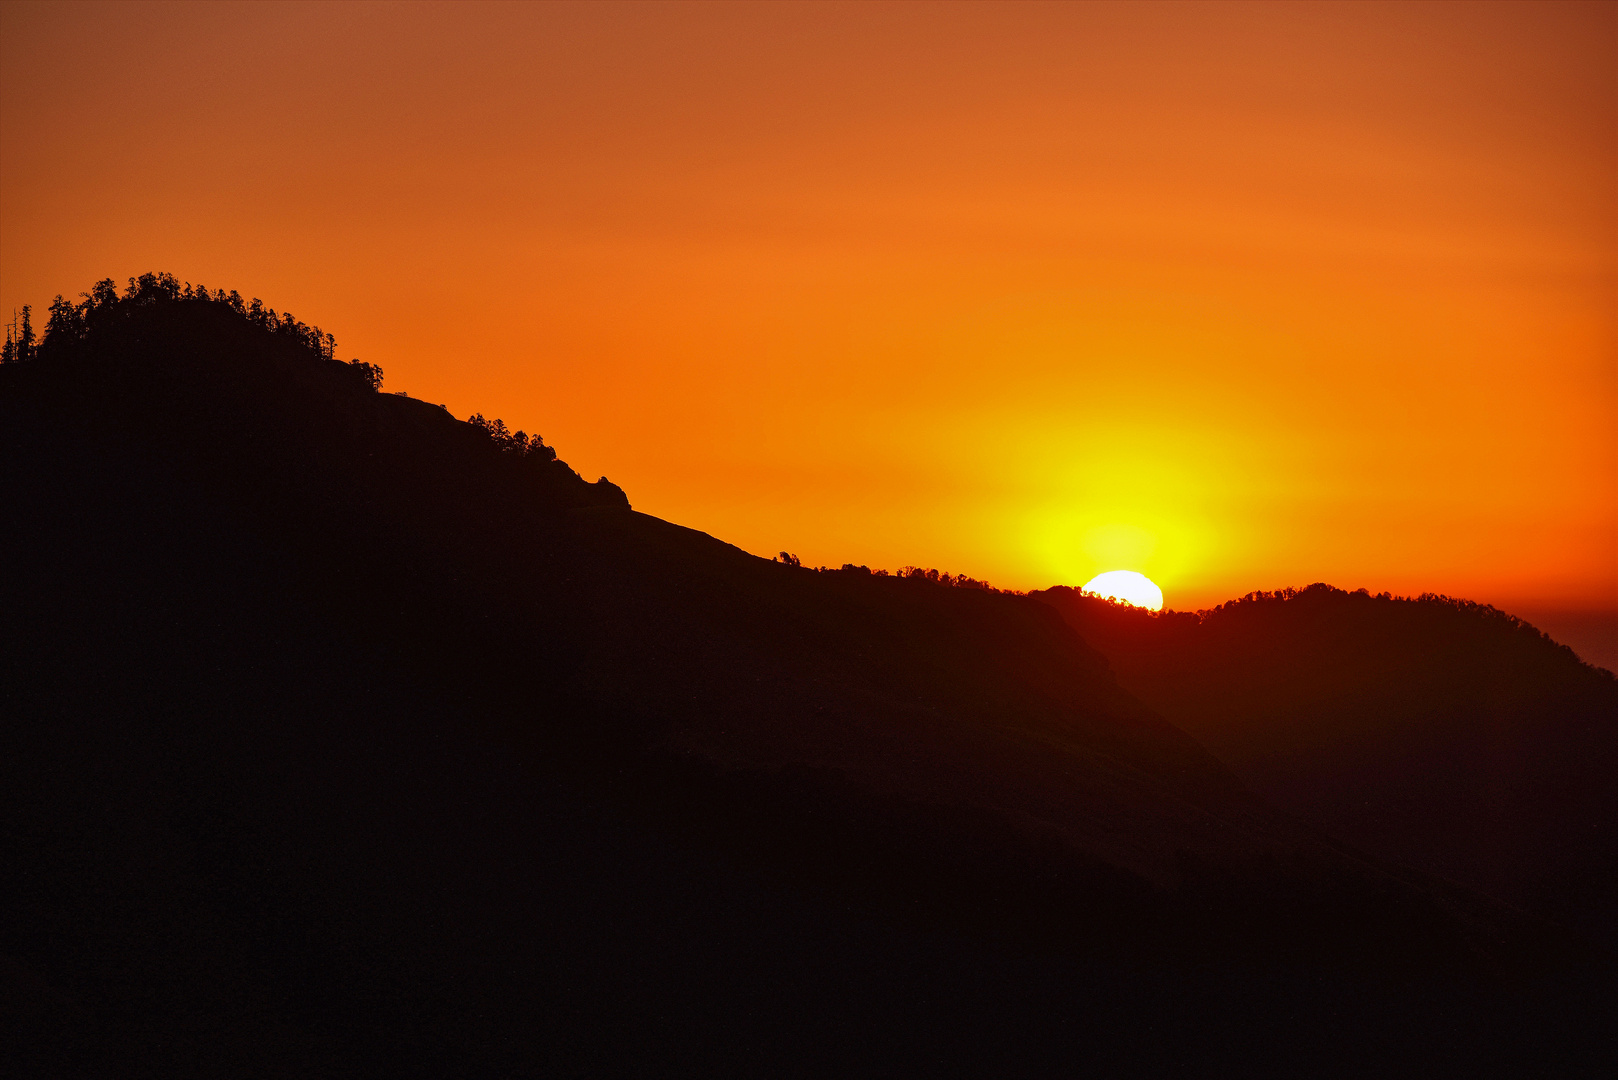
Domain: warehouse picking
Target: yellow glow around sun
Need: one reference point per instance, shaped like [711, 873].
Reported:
[1128, 586]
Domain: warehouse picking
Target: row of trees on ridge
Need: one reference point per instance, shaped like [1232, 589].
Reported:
[917, 573]
[73, 322]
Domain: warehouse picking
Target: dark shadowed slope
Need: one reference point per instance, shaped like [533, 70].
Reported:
[1443, 734]
[344, 737]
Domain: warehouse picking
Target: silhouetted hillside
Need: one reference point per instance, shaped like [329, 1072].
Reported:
[343, 737]
[1443, 734]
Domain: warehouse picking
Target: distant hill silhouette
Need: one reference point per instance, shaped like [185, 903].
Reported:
[1440, 733]
[343, 737]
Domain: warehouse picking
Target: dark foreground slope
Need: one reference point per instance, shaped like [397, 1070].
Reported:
[340, 741]
[1442, 734]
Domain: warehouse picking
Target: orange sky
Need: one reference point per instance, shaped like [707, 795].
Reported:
[1238, 296]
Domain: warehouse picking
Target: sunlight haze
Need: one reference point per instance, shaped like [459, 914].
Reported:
[1241, 297]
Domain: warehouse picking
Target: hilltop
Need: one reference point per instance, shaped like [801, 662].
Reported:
[344, 736]
[1436, 732]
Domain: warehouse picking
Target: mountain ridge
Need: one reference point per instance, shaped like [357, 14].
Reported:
[317, 694]
[1439, 733]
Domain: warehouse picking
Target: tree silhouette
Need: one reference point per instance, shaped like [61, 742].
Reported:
[73, 326]
[517, 443]
[20, 338]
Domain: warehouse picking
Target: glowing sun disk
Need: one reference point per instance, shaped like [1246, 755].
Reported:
[1128, 586]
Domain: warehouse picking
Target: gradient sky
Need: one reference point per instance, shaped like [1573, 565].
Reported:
[1238, 296]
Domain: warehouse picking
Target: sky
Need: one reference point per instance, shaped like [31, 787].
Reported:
[1238, 296]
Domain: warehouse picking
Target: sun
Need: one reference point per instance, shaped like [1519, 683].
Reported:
[1128, 586]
